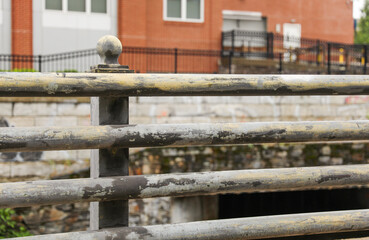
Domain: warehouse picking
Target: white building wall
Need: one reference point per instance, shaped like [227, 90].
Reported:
[5, 26]
[63, 31]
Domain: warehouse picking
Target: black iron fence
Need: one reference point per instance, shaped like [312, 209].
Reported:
[77, 61]
[326, 57]
[170, 60]
[142, 59]
[315, 56]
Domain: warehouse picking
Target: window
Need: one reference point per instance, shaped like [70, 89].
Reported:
[98, 6]
[54, 5]
[184, 10]
[77, 5]
[193, 9]
[84, 6]
[174, 8]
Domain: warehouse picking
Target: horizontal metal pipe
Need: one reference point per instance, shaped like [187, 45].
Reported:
[155, 135]
[239, 228]
[189, 184]
[92, 84]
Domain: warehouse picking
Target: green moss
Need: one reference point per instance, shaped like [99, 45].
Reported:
[20, 70]
[165, 164]
[68, 70]
[311, 154]
[10, 228]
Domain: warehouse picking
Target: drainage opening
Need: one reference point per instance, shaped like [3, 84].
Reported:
[275, 203]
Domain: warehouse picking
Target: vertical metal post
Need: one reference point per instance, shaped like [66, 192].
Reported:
[230, 56]
[329, 57]
[233, 40]
[39, 63]
[280, 63]
[222, 45]
[175, 59]
[365, 57]
[230, 62]
[347, 58]
[270, 45]
[113, 161]
[317, 49]
[242, 48]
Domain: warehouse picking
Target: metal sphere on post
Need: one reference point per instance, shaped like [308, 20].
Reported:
[109, 48]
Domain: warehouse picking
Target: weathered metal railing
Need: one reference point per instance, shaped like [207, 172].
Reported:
[188, 184]
[174, 135]
[123, 85]
[110, 188]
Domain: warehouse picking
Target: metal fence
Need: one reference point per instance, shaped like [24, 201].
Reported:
[319, 56]
[327, 57]
[77, 61]
[142, 59]
[112, 135]
[170, 60]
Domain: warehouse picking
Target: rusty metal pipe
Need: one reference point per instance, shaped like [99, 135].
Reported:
[24, 194]
[239, 228]
[92, 84]
[155, 135]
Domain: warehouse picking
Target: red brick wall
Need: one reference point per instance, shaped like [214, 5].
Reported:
[132, 22]
[329, 20]
[22, 30]
[22, 27]
[143, 23]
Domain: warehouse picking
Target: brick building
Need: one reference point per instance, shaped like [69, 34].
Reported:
[328, 20]
[51, 26]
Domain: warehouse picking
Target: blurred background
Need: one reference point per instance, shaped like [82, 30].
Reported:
[187, 36]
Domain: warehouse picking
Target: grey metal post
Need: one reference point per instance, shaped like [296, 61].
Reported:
[270, 45]
[175, 59]
[112, 161]
[317, 52]
[233, 40]
[329, 57]
[365, 57]
[222, 45]
[39, 63]
[280, 68]
[230, 62]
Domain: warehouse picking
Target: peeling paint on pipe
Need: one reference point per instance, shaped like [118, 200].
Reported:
[239, 228]
[23, 194]
[173, 135]
[92, 84]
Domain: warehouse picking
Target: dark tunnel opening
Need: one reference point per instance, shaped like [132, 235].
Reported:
[291, 202]
[275, 203]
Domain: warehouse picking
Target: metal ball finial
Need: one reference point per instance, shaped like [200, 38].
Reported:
[109, 48]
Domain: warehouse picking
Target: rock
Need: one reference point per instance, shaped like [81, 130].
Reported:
[296, 151]
[53, 215]
[326, 150]
[324, 159]
[8, 156]
[358, 146]
[336, 161]
[31, 156]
